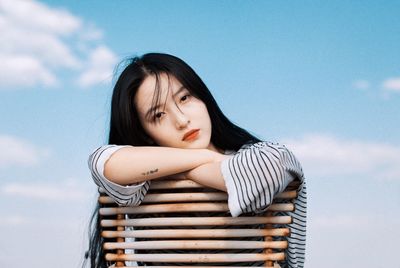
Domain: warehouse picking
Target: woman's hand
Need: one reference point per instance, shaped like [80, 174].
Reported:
[199, 174]
[209, 174]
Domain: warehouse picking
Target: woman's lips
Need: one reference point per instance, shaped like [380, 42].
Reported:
[191, 135]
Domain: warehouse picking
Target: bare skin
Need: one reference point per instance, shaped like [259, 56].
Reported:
[199, 165]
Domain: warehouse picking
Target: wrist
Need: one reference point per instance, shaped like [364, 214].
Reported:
[209, 156]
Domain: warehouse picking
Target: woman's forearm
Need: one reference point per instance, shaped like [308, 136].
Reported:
[208, 175]
[131, 164]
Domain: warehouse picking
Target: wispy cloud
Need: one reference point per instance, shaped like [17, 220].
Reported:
[68, 190]
[12, 220]
[18, 152]
[392, 84]
[385, 89]
[361, 84]
[340, 221]
[101, 61]
[33, 70]
[326, 156]
[15, 220]
[37, 41]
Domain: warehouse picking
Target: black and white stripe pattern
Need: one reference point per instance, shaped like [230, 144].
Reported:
[131, 195]
[256, 174]
[253, 176]
[297, 240]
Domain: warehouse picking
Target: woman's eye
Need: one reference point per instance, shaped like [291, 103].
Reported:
[158, 115]
[184, 98]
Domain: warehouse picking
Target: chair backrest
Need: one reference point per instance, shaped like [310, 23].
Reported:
[181, 222]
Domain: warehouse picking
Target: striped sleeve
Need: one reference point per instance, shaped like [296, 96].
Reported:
[256, 174]
[122, 195]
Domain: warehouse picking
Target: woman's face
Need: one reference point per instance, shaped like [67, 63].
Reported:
[180, 121]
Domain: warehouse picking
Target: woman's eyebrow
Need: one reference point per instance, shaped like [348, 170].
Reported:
[182, 88]
[155, 108]
[151, 110]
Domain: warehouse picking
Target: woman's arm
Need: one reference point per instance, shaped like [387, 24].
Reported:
[251, 177]
[209, 175]
[121, 183]
[130, 165]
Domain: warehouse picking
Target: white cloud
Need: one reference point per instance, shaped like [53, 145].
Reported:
[327, 156]
[99, 68]
[90, 32]
[340, 221]
[12, 220]
[35, 222]
[18, 152]
[361, 84]
[61, 191]
[37, 16]
[37, 41]
[353, 223]
[24, 71]
[392, 84]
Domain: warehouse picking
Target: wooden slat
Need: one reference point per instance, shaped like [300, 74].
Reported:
[196, 258]
[287, 195]
[181, 207]
[197, 221]
[174, 197]
[190, 266]
[169, 184]
[174, 184]
[198, 233]
[182, 184]
[189, 197]
[196, 244]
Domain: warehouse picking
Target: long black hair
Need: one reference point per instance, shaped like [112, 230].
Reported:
[126, 129]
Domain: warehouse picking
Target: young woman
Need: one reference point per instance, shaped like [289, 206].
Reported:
[165, 122]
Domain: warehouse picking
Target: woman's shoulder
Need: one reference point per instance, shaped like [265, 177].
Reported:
[258, 144]
[263, 145]
[244, 147]
[107, 147]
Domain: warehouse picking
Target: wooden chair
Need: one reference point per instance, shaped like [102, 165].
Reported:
[182, 223]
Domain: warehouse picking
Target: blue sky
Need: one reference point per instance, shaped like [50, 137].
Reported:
[322, 77]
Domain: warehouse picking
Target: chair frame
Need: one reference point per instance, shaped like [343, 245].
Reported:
[200, 231]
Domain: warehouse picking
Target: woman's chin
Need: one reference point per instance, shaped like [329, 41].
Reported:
[196, 144]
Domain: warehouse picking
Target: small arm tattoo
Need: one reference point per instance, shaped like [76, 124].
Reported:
[150, 172]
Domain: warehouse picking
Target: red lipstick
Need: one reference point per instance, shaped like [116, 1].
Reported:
[191, 135]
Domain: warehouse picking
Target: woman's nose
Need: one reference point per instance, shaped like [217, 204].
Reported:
[181, 120]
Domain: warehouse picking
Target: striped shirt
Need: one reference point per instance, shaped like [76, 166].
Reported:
[253, 176]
